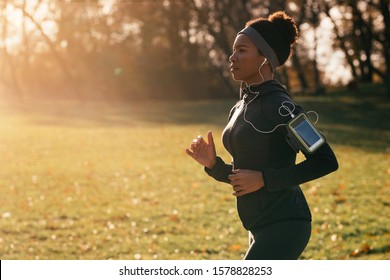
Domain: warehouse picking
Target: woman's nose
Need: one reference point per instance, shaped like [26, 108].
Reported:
[232, 58]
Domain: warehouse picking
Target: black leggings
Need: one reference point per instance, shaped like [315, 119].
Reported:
[284, 240]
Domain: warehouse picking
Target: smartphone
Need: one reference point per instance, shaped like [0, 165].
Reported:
[304, 132]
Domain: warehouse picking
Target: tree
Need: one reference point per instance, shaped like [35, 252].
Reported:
[361, 34]
[313, 11]
[156, 49]
[385, 40]
[8, 78]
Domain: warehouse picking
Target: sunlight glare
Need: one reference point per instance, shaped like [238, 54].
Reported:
[330, 62]
[107, 6]
[292, 6]
[17, 19]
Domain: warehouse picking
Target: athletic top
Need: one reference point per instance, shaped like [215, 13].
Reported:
[281, 198]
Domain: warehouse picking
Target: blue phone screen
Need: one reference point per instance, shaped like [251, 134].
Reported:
[307, 133]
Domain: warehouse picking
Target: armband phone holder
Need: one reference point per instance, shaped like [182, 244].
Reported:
[302, 135]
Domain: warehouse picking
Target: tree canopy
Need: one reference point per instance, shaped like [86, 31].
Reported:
[180, 48]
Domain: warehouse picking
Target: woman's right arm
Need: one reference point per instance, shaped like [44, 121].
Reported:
[204, 153]
[220, 171]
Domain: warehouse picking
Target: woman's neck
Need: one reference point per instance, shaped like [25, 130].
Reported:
[259, 81]
[264, 76]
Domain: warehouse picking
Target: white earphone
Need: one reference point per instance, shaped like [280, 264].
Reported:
[264, 61]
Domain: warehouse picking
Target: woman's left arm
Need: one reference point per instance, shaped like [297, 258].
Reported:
[316, 165]
[321, 162]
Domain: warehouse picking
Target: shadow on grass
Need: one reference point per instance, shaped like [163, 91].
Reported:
[353, 121]
[350, 120]
[121, 114]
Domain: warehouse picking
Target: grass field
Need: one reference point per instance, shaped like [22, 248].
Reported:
[112, 181]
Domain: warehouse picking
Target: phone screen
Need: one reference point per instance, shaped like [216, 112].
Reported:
[307, 133]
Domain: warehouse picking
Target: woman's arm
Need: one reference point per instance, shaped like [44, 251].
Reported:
[320, 163]
[204, 153]
[220, 171]
[316, 165]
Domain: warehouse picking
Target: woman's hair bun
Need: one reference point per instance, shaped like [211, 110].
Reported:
[286, 25]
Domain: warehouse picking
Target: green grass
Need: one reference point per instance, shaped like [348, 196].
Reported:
[112, 181]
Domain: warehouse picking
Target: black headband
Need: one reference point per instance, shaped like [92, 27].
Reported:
[262, 45]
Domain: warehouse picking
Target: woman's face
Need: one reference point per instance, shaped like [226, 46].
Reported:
[245, 60]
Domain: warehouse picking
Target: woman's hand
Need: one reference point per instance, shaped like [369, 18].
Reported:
[246, 181]
[203, 152]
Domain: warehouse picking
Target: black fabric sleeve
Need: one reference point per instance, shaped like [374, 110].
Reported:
[220, 171]
[318, 164]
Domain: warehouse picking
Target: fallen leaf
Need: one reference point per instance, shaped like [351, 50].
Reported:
[235, 247]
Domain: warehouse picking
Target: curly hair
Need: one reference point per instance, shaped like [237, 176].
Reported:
[280, 31]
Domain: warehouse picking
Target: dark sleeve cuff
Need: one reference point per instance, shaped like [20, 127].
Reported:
[220, 171]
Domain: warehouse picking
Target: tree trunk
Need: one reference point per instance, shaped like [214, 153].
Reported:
[384, 5]
[342, 43]
[295, 59]
[13, 84]
[319, 90]
[63, 65]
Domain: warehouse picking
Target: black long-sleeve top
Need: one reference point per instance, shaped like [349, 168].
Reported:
[281, 198]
